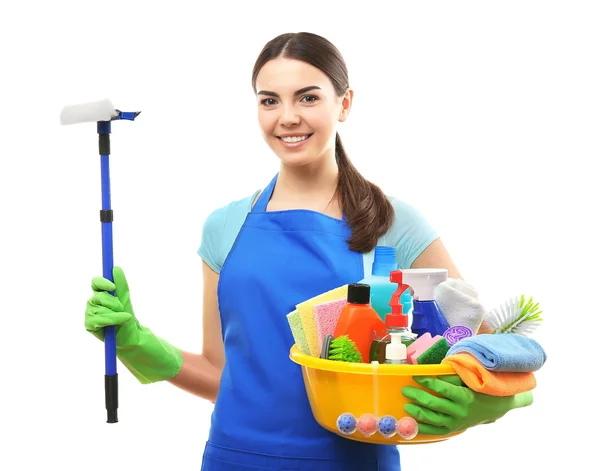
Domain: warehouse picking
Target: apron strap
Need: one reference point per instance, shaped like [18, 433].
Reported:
[265, 196]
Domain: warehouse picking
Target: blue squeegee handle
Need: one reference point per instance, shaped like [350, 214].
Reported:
[111, 389]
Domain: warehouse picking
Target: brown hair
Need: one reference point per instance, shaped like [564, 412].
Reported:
[369, 212]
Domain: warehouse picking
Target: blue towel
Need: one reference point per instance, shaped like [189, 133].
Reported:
[503, 352]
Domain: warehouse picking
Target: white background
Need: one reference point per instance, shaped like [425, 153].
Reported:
[484, 115]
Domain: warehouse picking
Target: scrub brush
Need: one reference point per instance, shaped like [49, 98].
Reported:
[515, 316]
[340, 349]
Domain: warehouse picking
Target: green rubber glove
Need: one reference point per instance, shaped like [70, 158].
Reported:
[147, 357]
[459, 407]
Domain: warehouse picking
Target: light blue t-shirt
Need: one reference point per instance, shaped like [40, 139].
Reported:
[410, 233]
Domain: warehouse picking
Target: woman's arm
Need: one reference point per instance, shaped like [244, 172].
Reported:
[436, 256]
[200, 374]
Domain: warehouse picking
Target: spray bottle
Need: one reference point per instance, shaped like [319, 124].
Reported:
[396, 323]
[426, 315]
[384, 262]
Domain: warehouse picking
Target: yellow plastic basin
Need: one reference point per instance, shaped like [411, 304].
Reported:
[335, 388]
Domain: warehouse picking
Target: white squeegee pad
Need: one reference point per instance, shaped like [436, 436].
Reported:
[88, 112]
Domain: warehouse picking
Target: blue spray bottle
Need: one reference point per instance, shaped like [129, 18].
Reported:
[426, 315]
[382, 289]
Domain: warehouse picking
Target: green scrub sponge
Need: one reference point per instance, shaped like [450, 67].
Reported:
[298, 332]
[434, 354]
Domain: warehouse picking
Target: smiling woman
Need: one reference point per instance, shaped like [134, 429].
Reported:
[303, 91]
[313, 228]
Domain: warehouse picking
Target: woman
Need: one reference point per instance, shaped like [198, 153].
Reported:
[313, 228]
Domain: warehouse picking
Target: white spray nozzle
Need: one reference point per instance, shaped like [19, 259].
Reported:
[423, 281]
[88, 112]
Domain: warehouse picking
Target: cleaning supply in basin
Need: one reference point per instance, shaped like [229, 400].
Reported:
[492, 383]
[459, 301]
[377, 351]
[396, 322]
[456, 333]
[515, 317]
[295, 323]
[387, 426]
[384, 262]
[503, 352]
[307, 316]
[419, 346]
[395, 351]
[327, 315]
[340, 349]
[435, 353]
[346, 424]
[426, 314]
[367, 424]
[407, 428]
[359, 321]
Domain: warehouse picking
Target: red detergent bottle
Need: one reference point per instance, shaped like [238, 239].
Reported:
[359, 321]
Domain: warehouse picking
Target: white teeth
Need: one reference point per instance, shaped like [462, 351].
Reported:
[294, 138]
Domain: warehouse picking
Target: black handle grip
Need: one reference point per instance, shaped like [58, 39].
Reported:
[111, 390]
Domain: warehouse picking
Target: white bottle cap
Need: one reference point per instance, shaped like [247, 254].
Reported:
[395, 350]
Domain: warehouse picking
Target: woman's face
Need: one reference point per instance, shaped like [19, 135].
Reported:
[298, 110]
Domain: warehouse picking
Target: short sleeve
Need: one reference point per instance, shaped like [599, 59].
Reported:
[212, 236]
[410, 233]
[220, 231]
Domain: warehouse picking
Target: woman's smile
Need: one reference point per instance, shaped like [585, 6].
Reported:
[293, 141]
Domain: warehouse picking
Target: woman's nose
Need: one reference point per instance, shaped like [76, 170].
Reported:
[289, 116]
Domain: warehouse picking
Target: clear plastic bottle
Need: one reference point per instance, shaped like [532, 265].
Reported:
[396, 323]
[384, 262]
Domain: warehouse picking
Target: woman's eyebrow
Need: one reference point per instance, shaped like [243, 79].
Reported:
[296, 93]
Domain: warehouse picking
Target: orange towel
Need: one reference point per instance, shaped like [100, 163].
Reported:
[494, 383]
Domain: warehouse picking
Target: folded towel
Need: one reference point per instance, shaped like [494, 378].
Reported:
[503, 352]
[493, 383]
[459, 303]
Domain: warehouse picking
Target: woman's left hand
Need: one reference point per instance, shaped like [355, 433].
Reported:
[458, 408]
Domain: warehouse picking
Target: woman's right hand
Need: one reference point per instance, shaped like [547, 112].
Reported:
[103, 309]
[148, 357]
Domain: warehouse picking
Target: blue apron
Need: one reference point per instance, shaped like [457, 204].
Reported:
[262, 418]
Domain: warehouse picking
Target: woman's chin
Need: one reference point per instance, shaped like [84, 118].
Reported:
[296, 160]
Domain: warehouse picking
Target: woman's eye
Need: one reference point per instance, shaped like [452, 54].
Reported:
[268, 102]
[310, 98]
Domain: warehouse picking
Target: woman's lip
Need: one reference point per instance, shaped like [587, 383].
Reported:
[293, 145]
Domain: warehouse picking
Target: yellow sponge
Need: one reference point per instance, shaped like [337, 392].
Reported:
[297, 331]
[305, 310]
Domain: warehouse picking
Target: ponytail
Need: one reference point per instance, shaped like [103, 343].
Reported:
[368, 211]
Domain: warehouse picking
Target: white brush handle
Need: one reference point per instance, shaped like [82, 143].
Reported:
[88, 112]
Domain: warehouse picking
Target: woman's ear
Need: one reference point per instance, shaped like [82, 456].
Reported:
[346, 105]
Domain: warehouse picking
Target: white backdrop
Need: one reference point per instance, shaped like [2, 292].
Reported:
[484, 115]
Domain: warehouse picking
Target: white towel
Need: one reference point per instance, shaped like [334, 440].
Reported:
[459, 303]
